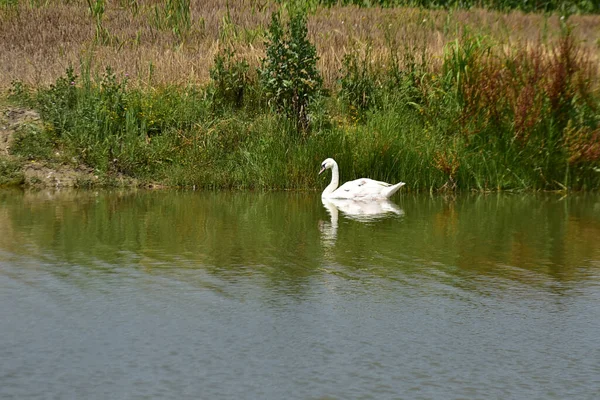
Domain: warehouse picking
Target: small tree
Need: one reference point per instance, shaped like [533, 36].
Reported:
[289, 71]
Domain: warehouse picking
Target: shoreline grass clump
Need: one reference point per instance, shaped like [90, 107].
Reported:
[11, 173]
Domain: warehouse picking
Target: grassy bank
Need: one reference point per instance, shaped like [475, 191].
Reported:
[434, 102]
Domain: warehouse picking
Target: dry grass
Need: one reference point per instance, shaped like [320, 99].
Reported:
[38, 43]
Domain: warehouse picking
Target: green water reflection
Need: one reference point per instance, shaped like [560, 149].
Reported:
[286, 238]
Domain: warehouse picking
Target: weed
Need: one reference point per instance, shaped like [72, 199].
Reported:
[448, 163]
[583, 146]
[31, 143]
[97, 9]
[20, 93]
[56, 103]
[10, 172]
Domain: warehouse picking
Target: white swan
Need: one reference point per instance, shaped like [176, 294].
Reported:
[359, 189]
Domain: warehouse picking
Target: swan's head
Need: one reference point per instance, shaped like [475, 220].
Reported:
[327, 164]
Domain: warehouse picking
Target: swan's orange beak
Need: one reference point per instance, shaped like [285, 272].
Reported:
[322, 169]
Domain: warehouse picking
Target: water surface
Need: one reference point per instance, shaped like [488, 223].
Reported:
[175, 295]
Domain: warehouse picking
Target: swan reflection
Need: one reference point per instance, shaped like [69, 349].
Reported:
[363, 211]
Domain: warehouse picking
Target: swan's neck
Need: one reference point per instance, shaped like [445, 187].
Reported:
[335, 181]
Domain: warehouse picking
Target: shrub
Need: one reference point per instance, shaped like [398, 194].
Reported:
[94, 121]
[289, 72]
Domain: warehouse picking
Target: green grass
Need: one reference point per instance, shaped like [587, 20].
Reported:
[31, 143]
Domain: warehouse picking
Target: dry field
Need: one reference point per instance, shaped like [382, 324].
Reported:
[38, 42]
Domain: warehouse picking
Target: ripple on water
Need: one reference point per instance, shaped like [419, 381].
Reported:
[226, 296]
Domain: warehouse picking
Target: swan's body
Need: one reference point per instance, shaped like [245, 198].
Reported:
[359, 189]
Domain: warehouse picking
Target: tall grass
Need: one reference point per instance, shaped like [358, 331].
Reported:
[174, 15]
[565, 6]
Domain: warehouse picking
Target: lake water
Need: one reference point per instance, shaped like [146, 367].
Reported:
[195, 295]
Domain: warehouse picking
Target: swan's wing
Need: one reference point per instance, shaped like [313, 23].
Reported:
[360, 188]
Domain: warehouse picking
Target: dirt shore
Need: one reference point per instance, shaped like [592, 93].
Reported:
[44, 173]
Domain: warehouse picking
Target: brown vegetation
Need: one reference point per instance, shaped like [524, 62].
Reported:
[526, 85]
[38, 43]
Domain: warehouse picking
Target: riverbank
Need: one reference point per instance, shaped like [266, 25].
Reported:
[509, 104]
[27, 160]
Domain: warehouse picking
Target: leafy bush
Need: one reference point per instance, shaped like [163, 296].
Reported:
[289, 72]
